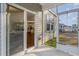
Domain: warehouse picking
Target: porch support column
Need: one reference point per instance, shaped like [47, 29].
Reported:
[57, 30]
[3, 29]
[25, 31]
[43, 26]
[36, 33]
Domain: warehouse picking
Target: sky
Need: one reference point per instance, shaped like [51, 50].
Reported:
[70, 18]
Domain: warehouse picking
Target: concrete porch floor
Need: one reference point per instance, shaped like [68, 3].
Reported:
[46, 51]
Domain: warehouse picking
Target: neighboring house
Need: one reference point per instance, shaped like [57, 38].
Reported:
[61, 27]
[74, 27]
[65, 28]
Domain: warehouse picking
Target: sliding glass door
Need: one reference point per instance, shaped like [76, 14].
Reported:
[15, 30]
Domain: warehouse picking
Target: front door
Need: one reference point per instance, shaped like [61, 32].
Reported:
[30, 30]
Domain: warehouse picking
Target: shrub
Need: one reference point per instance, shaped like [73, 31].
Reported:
[51, 42]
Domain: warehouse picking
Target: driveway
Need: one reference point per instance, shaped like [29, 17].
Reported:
[46, 51]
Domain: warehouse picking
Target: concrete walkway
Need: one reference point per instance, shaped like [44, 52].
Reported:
[46, 51]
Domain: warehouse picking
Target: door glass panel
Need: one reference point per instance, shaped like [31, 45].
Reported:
[15, 24]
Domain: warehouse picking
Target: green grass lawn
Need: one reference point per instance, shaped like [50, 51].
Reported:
[51, 42]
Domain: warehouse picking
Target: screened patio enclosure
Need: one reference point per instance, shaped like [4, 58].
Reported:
[68, 25]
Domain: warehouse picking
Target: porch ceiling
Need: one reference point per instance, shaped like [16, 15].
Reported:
[46, 6]
[39, 6]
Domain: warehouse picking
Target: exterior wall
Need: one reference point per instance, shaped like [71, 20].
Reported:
[38, 24]
[46, 34]
[38, 27]
[50, 20]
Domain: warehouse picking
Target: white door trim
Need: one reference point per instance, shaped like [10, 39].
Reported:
[8, 31]
[3, 29]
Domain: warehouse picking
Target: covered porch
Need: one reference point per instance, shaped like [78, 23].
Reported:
[34, 24]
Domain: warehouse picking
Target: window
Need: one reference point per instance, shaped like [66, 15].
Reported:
[51, 26]
[48, 27]
[50, 23]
